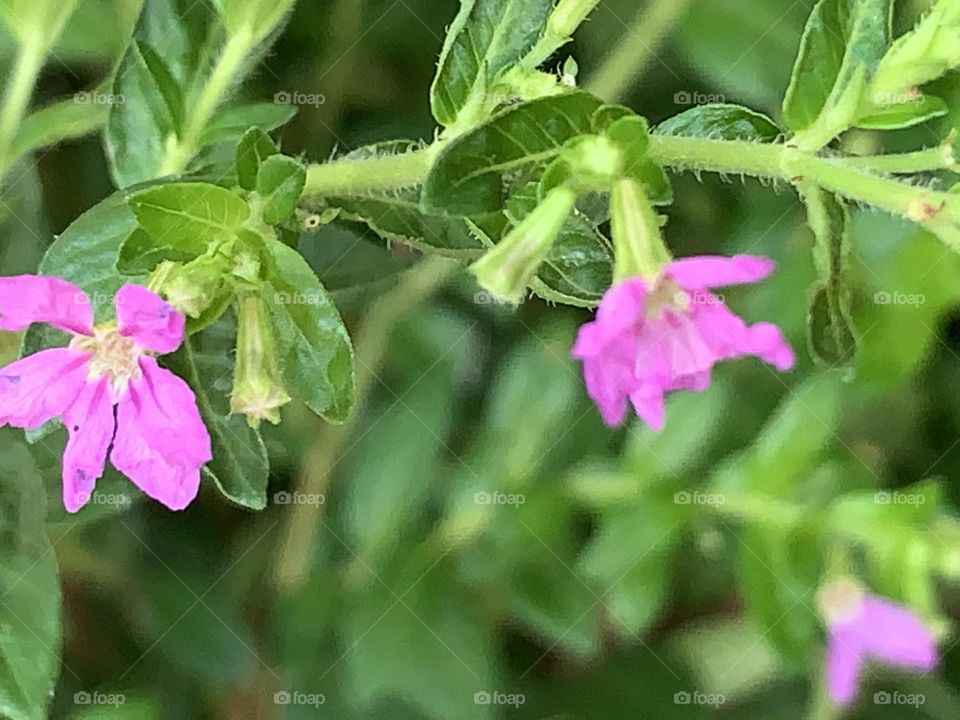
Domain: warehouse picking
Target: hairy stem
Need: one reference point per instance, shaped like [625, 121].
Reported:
[214, 91]
[637, 47]
[293, 563]
[929, 160]
[389, 172]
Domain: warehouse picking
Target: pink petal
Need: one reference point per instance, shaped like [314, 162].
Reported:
[144, 316]
[843, 666]
[648, 403]
[707, 271]
[26, 299]
[90, 424]
[895, 635]
[41, 386]
[161, 441]
[729, 336]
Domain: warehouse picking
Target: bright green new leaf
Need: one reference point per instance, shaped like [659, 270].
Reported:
[255, 147]
[486, 38]
[842, 44]
[280, 181]
[469, 176]
[188, 216]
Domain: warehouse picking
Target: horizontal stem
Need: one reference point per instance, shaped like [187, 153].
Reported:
[929, 160]
[387, 172]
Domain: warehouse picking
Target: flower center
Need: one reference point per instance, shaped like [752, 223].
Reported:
[112, 355]
[840, 600]
[666, 296]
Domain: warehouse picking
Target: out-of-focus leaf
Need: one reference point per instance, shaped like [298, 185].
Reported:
[486, 38]
[29, 593]
[469, 176]
[62, 120]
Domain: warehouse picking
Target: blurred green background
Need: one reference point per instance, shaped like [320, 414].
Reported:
[476, 544]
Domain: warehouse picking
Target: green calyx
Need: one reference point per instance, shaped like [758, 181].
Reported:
[507, 269]
[258, 387]
[639, 250]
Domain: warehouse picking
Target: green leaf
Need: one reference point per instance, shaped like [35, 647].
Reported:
[313, 340]
[240, 466]
[60, 121]
[29, 592]
[842, 44]
[232, 123]
[721, 122]
[903, 115]
[255, 147]
[470, 175]
[396, 215]
[280, 182]
[486, 38]
[188, 216]
[140, 254]
[631, 135]
[833, 338]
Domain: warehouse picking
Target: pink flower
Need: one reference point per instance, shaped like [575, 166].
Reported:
[107, 388]
[864, 627]
[649, 339]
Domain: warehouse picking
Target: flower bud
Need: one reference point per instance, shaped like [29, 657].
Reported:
[194, 287]
[258, 389]
[507, 269]
[637, 242]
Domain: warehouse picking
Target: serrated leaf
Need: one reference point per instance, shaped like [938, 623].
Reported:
[833, 338]
[280, 181]
[255, 147]
[188, 216]
[486, 38]
[314, 344]
[903, 115]
[240, 466]
[470, 177]
[844, 40]
[721, 122]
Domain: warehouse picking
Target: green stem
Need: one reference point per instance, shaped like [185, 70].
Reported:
[389, 172]
[566, 18]
[218, 85]
[637, 47]
[929, 160]
[296, 549]
[16, 97]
